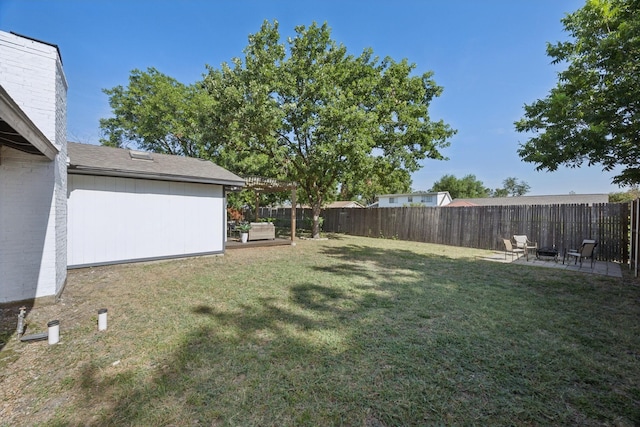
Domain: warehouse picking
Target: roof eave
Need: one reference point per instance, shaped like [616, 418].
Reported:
[13, 115]
[117, 173]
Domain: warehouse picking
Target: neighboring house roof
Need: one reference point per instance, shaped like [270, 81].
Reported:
[88, 159]
[19, 132]
[332, 205]
[558, 199]
[460, 203]
[419, 193]
[344, 204]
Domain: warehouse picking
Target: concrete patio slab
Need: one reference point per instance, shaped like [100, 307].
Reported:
[604, 268]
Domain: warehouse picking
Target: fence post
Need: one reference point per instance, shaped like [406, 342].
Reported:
[635, 236]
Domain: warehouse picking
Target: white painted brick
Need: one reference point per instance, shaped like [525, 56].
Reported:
[33, 190]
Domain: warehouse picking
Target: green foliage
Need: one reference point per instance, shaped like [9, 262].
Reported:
[155, 113]
[627, 196]
[325, 118]
[309, 223]
[306, 112]
[511, 187]
[244, 227]
[500, 192]
[246, 199]
[383, 179]
[593, 113]
[469, 187]
[466, 188]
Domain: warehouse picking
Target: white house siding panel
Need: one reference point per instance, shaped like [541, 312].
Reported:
[416, 199]
[400, 201]
[126, 219]
[32, 188]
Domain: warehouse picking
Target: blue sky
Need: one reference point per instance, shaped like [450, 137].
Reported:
[489, 55]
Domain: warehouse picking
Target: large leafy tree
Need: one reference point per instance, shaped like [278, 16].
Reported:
[466, 187]
[593, 113]
[323, 117]
[156, 113]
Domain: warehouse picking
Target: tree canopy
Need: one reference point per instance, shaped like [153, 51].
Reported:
[156, 113]
[324, 117]
[467, 187]
[630, 195]
[304, 111]
[593, 113]
[511, 187]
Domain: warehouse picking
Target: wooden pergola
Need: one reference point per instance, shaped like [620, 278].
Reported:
[271, 185]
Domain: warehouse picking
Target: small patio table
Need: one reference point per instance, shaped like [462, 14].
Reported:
[547, 252]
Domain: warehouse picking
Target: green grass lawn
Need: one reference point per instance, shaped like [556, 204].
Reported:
[347, 331]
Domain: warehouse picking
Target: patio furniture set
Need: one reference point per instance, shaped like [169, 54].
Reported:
[522, 245]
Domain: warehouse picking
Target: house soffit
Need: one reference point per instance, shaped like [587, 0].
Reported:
[17, 131]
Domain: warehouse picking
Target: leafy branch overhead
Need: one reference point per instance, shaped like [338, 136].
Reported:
[593, 113]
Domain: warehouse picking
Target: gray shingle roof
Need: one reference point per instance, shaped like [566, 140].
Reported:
[88, 159]
[559, 199]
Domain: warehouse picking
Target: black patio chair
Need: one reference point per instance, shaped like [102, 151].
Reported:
[587, 250]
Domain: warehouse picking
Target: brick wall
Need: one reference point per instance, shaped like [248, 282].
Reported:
[32, 188]
[61, 178]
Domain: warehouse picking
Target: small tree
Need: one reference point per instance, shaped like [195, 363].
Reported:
[511, 187]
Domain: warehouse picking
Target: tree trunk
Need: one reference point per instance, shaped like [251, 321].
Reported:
[315, 227]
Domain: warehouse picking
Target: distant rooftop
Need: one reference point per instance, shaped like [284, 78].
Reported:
[557, 199]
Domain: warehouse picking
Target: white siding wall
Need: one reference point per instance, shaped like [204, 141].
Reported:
[33, 189]
[385, 202]
[125, 219]
[403, 200]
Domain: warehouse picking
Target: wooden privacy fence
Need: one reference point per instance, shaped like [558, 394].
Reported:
[283, 216]
[635, 236]
[484, 227]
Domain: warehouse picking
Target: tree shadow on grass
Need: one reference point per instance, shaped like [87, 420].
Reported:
[276, 362]
[389, 259]
[412, 339]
